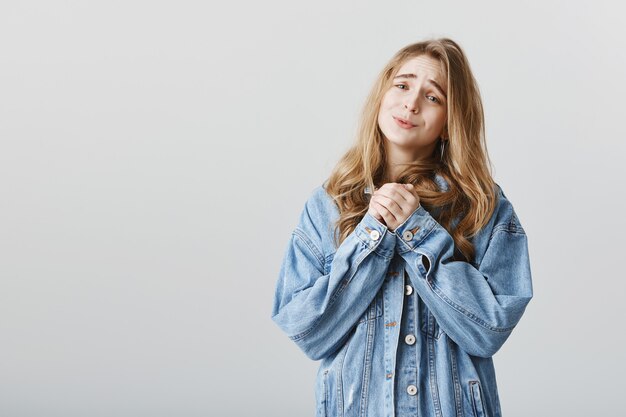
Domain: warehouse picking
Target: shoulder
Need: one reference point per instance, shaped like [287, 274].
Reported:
[318, 217]
[321, 205]
[503, 227]
[504, 216]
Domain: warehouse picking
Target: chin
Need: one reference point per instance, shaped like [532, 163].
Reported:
[400, 141]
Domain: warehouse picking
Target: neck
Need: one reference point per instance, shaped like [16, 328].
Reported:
[397, 156]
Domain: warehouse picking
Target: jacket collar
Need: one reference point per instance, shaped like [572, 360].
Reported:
[441, 182]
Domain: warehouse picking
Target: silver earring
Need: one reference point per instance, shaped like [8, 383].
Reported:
[443, 147]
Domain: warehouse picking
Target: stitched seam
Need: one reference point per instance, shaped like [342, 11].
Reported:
[342, 358]
[377, 252]
[309, 243]
[512, 226]
[499, 228]
[409, 247]
[455, 380]
[434, 391]
[378, 222]
[473, 396]
[467, 313]
[338, 292]
[371, 329]
[326, 396]
[509, 228]
[328, 259]
[368, 315]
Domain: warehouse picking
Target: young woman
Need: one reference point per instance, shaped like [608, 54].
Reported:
[408, 268]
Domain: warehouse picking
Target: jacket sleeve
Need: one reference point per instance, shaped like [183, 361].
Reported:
[318, 310]
[477, 307]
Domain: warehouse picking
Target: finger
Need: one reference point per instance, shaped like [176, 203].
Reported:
[389, 204]
[376, 214]
[398, 192]
[407, 191]
[387, 215]
[413, 191]
[398, 209]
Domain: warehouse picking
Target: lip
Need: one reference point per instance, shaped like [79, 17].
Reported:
[405, 124]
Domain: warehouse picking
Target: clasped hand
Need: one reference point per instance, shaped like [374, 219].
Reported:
[393, 203]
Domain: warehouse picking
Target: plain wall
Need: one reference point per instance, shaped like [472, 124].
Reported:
[154, 158]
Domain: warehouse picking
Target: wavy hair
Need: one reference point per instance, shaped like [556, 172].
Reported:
[470, 199]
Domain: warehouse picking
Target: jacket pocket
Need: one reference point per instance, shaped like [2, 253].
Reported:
[324, 408]
[476, 399]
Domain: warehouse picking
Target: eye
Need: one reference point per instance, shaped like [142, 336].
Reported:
[401, 85]
[435, 99]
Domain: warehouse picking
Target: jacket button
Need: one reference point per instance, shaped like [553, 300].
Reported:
[408, 290]
[407, 235]
[411, 389]
[409, 339]
[374, 234]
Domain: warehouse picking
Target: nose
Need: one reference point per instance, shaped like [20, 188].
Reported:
[411, 105]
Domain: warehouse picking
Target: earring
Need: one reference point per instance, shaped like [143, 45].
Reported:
[442, 144]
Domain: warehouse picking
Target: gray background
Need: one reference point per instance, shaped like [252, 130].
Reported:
[154, 157]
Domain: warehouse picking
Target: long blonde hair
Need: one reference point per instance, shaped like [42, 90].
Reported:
[465, 164]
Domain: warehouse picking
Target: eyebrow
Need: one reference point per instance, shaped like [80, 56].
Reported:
[431, 81]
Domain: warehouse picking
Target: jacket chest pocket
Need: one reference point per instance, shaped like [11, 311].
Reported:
[428, 324]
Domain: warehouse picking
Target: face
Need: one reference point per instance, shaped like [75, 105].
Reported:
[417, 96]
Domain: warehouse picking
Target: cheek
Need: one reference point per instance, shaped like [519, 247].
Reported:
[438, 118]
[383, 110]
[387, 101]
[443, 118]
[380, 115]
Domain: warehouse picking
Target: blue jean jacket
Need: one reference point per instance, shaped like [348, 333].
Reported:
[401, 326]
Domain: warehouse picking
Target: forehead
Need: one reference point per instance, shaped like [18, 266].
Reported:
[424, 67]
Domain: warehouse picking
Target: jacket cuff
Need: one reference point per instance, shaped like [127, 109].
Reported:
[376, 236]
[414, 229]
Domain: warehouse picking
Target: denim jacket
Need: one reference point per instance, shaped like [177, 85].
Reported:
[401, 325]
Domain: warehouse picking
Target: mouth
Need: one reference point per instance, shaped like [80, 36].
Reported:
[405, 124]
